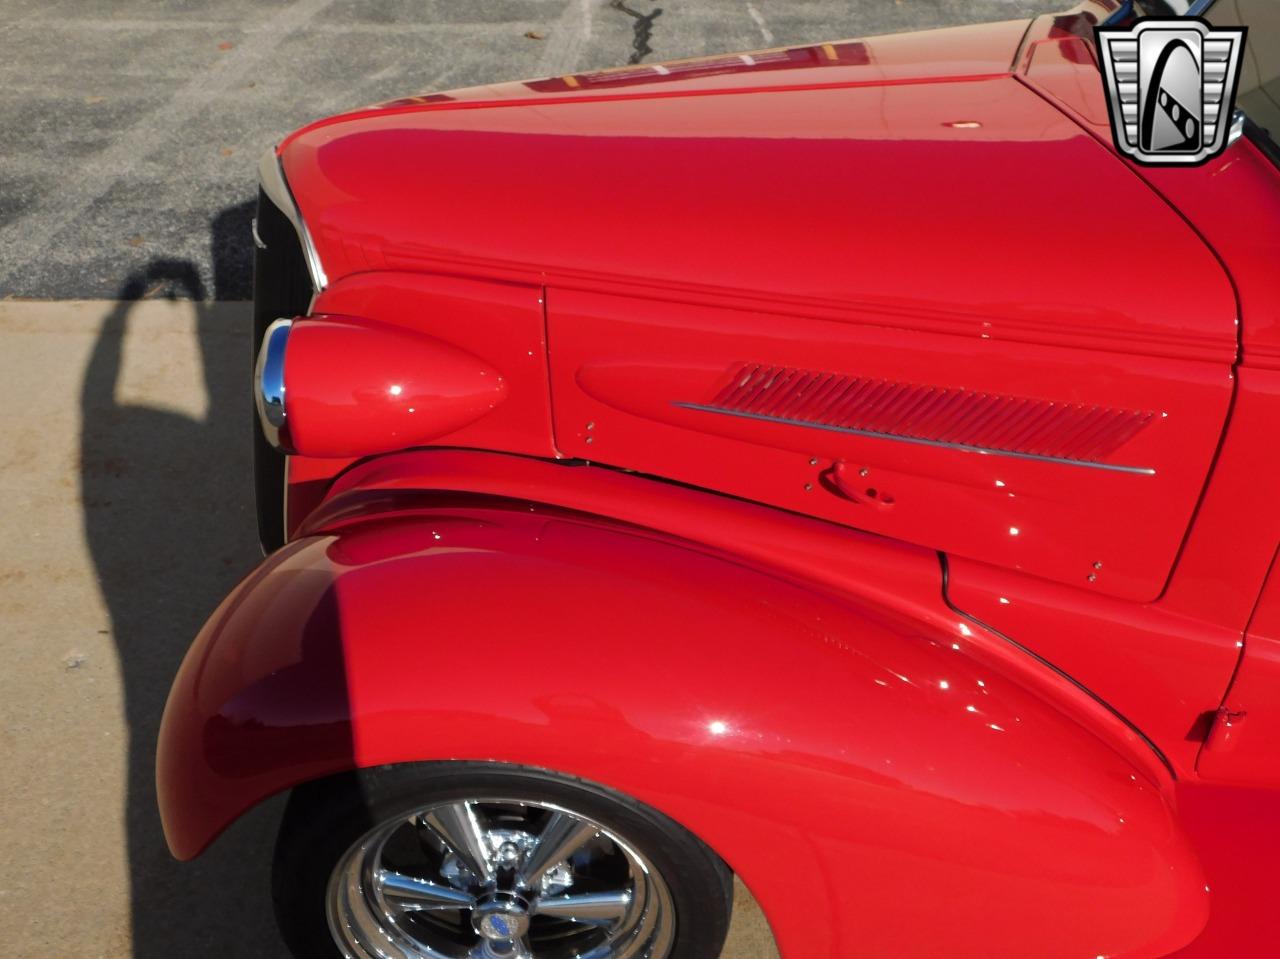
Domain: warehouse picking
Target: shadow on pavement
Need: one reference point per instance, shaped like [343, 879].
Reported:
[169, 523]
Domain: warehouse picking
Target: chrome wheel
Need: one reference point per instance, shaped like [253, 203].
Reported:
[497, 879]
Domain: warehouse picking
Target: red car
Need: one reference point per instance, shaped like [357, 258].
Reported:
[837, 466]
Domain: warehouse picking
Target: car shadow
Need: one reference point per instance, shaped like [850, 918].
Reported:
[169, 524]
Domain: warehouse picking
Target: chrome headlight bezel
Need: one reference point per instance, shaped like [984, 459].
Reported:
[269, 384]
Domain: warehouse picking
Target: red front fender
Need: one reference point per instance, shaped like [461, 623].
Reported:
[883, 786]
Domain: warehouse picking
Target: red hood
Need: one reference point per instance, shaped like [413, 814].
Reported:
[877, 180]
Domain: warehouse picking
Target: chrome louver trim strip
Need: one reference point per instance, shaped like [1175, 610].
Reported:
[853, 431]
[271, 176]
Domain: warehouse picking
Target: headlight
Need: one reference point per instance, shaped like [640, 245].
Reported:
[340, 386]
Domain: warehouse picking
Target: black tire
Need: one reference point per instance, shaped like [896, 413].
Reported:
[324, 819]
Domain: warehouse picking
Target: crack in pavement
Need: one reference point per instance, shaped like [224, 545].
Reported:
[643, 29]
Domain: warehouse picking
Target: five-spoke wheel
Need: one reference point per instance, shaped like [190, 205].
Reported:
[497, 878]
[477, 861]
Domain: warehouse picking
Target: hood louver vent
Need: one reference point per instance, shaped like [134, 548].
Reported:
[1010, 424]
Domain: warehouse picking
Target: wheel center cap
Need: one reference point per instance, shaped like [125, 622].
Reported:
[501, 918]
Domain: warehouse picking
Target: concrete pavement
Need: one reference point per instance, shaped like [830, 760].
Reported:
[125, 517]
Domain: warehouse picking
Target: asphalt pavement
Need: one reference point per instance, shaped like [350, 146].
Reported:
[133, 127]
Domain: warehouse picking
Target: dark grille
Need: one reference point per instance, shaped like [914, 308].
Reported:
[281, 288]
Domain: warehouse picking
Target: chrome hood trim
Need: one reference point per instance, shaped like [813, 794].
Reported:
[271, 176]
